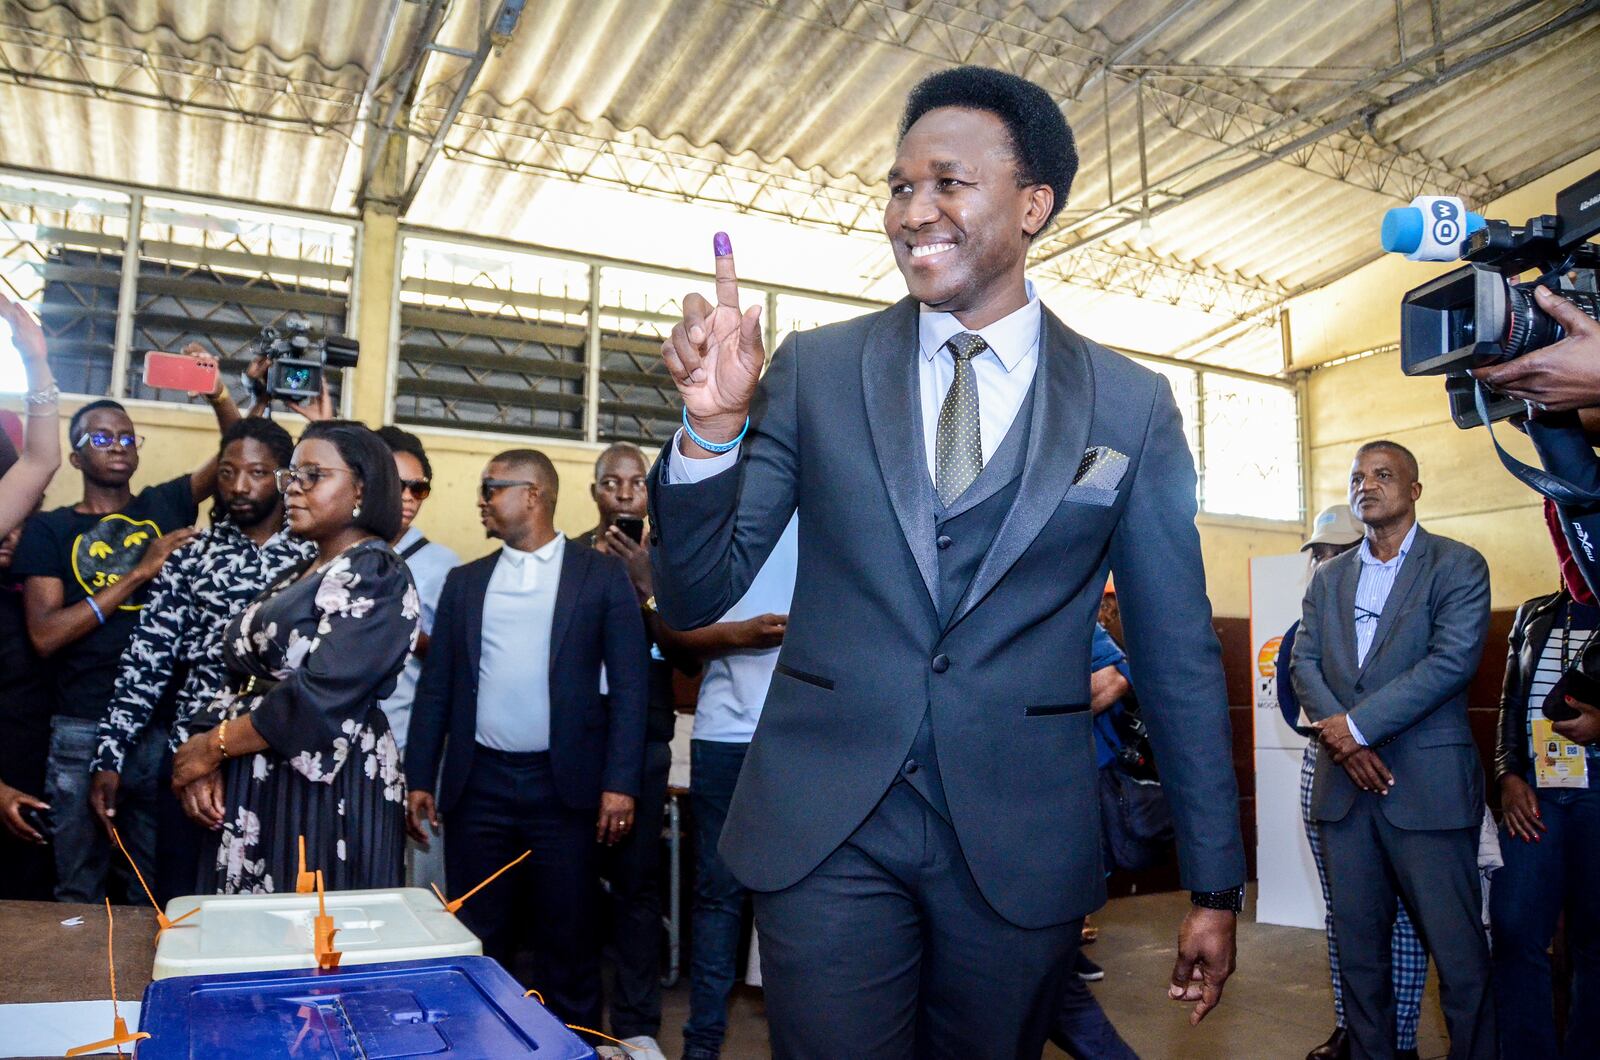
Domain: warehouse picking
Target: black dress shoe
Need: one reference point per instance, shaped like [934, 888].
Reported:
[1337, 1047]
[1405, 1054]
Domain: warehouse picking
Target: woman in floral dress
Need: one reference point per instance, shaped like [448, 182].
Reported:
[297, 745]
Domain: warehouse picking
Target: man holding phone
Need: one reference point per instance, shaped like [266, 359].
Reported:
[633, 866]
[85, 568]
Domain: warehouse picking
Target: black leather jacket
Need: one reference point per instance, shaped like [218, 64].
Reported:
[1531, 628]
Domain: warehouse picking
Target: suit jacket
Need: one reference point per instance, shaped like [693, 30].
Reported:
[596, 742]
[836, 432]
[1409, 698]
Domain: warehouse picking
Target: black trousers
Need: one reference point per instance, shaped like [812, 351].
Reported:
[510, 805]
[633, 869]
[887, 950]
[1373, 866]
[180, 841]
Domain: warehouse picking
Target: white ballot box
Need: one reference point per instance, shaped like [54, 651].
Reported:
[265, 932]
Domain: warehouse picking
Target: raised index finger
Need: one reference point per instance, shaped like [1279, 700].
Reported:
[727, 282]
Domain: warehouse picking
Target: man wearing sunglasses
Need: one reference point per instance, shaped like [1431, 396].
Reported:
[85, 570]
[538, 759]
[428, 562]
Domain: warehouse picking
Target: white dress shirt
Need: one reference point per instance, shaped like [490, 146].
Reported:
[428, 565]
[514, 652]
[1004, 372]
[1372, 593]
[733, 688]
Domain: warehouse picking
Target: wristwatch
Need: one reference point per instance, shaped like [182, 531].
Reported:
[1231, 900]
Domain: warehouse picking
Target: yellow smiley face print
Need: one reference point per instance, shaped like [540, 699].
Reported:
[103, 554]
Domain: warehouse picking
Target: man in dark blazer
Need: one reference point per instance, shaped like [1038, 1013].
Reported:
[1390, 635]
[537, 758]
[917, 811]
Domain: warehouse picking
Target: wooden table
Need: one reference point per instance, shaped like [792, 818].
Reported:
[47, 962]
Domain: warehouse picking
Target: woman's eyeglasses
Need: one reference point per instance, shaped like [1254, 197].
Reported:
[108, 439]
[417, 487]
[304, 477]
[489, 486]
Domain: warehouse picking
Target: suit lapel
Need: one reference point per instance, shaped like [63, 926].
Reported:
[477, 593]
[892, 392]
[1063, 407]
[575, 562]
[1344, 592]
[1404, 582]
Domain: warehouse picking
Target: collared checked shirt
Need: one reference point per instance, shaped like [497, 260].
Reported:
[198, 591]
[1372, 593]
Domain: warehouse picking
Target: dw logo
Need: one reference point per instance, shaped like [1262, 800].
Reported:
[1446, 222]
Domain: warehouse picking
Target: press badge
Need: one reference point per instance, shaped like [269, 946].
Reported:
[1559, 763]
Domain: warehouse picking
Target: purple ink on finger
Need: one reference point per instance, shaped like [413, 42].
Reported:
[721, 245]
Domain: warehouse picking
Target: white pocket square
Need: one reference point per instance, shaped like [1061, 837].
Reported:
[1102, 467]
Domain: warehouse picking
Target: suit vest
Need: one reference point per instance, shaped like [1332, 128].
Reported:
[963, 533]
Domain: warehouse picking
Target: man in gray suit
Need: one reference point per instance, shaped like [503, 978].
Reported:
[1390, 637]
[917, 811]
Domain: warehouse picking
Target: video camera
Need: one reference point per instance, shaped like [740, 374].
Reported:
[298, 361]
[1478, 314]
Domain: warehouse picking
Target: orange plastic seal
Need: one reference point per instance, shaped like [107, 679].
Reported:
[455, 905]
[120, 1035]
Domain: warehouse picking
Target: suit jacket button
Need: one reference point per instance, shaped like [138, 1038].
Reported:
[941, 663]
[944, 541]
[910, 767]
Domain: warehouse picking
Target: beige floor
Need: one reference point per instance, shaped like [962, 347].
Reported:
[1277, 1006]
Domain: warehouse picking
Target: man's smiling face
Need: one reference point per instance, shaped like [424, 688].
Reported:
[957, 220]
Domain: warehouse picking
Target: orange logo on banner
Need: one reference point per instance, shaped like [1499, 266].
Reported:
[1267, 660]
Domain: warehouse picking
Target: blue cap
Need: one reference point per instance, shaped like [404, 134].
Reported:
[1402, 230]
[1403, 227]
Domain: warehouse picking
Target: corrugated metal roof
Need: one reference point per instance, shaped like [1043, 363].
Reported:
[806, 94]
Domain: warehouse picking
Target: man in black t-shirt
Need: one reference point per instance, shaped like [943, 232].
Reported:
[84, 569]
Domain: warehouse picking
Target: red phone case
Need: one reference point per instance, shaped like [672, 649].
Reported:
[177, 371]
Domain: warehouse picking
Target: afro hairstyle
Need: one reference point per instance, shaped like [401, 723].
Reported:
[1041, 139]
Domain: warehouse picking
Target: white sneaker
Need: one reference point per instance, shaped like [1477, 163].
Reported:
[644, 1048]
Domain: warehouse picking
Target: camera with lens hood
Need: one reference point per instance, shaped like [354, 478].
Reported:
[297, 362]
[1484, 313]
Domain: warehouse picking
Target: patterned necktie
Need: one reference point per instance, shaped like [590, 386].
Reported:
[958, 449]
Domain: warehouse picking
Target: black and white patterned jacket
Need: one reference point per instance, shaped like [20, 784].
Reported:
[200, 588]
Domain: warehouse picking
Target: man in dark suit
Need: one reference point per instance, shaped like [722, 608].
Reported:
[1390, 635]
[513, 679]
[916, 812]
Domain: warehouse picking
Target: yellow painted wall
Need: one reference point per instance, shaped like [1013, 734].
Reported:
[1467, 495]
[1227, 546]
[179, 438]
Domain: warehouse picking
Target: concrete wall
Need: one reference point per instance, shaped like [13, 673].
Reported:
[178, 438]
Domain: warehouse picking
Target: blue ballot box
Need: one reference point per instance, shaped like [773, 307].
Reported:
[461, 1008]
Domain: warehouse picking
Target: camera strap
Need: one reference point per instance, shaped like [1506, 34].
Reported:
[1559, 489]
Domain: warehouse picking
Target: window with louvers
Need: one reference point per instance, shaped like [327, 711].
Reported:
[218, 276]
[492, 340]
[61, 250]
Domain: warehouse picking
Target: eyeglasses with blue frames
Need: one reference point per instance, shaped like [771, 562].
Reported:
[109, 440]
